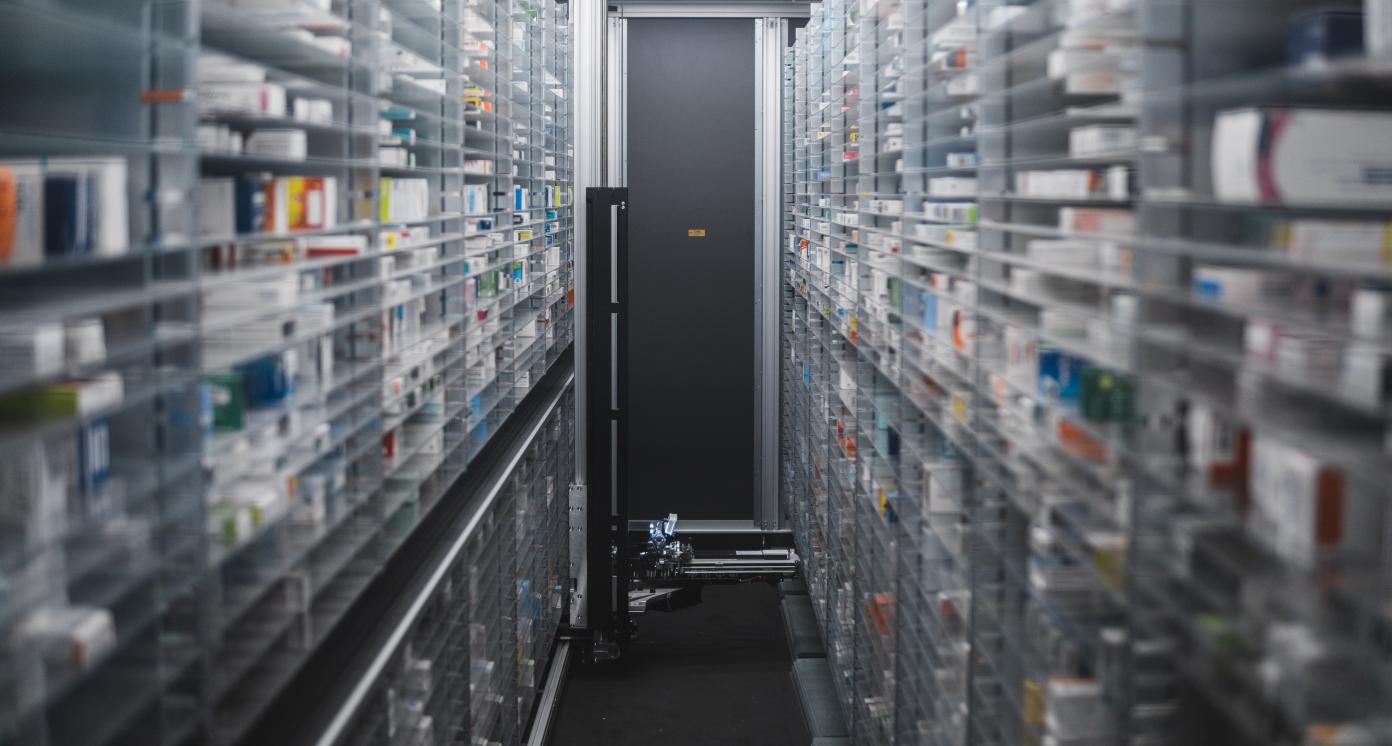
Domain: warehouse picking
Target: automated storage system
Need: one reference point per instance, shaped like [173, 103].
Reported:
[364, 364]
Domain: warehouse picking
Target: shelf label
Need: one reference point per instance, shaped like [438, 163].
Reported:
[163, 96]
[695, 232]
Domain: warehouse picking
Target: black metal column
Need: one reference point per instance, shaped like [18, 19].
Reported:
[606, 326]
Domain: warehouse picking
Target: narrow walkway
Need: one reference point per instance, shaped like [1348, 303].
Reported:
[717, 674]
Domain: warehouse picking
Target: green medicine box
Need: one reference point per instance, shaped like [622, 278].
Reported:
[229, 401]
[1108, 396]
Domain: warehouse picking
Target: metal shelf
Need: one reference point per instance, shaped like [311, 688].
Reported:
[268, 510]
[916, 328]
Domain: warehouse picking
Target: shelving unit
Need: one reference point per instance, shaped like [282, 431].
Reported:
[1057, 612]
[102, 526]
[464, 668]
[295, 322]
[1082, 444]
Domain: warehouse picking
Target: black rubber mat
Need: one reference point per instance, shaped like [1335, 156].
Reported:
[713, 675]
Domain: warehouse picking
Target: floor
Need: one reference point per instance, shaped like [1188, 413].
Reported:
[717, 674]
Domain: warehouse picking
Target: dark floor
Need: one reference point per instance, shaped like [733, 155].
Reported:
[713, 675]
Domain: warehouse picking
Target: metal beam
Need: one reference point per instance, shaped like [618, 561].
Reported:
[616, 104]
[771, 38]
[588, 19]
[550, 695]
[661, 9]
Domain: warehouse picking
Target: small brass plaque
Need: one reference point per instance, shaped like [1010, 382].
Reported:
[695, 232]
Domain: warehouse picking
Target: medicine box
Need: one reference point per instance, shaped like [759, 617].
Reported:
[1314, 157]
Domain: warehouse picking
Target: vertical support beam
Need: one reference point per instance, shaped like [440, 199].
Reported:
[587, 71]
[606, 510]
[597, 367]
[769, 38]
[759, 425]
[616, 104]
[588, 19]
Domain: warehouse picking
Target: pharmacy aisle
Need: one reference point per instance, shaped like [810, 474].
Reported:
[281, 284]
[1087, 373]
